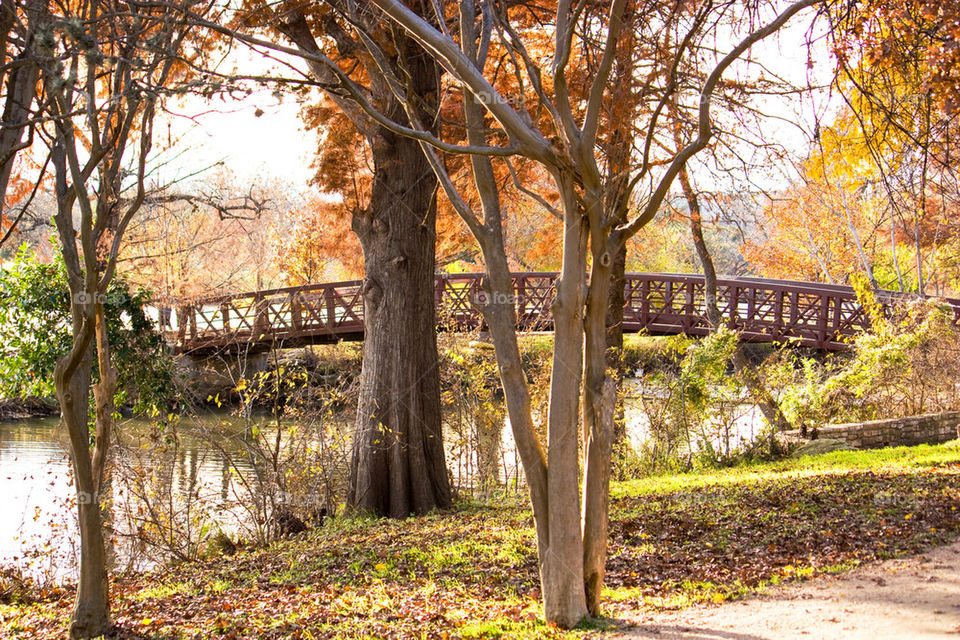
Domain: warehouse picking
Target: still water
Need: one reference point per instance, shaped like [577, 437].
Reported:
[37, 522]
[38, 530]
[34, 481]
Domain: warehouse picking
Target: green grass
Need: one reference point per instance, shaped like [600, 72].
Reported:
[716, 535]
[838, 461]
[166, 590]
[674, 541]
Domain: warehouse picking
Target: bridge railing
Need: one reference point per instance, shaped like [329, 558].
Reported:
[763, 311]
[811, 314]
[459, 298]
[334, 310]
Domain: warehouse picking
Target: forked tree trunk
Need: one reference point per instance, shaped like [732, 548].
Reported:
[571, 543]
[398, 465]
[554, 491]
[572, 162]
[500, 309]
[91, 613]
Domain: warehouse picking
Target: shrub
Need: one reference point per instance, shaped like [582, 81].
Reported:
[35, 332]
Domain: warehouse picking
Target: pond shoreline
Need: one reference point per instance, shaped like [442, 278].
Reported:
[25, 408]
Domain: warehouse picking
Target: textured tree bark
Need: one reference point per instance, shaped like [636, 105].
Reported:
[20, 75]
[21, 87]
[398, 466]
[564, 598]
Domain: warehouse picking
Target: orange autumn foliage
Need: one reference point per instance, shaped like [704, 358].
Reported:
[319, 247]
[808, 235]
[344, 171]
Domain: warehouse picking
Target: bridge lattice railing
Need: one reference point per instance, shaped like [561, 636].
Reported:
[811, 314]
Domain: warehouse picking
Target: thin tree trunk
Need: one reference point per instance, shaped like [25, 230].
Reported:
[893, 250]
[563, 578]
[103, 393]
[614, 356]
[500, 317]
[619, 158]
[91, 613]
[599, 406]
[500, 311]
[761, 395]
[867, 268]
[921, 285]
[72, 382]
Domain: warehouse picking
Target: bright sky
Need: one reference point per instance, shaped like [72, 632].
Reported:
[275, 146]
[270, 146]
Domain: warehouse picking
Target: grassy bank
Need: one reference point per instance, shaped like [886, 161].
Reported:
[675, 540]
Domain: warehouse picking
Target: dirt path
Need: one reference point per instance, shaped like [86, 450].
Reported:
[916, 597]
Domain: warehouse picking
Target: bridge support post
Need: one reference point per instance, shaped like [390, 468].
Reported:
[296, 310]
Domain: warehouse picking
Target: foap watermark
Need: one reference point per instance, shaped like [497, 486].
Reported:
[895, 500]
[492, 97]
[86, 297]
[483, 298]
[85, 497]
[303, 500]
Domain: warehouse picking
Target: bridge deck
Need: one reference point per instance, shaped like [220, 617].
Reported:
[811, 314]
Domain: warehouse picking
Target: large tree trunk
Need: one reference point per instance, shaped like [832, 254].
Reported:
[21, 86]
[398, 465]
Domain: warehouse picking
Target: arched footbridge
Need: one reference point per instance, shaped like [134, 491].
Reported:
[809, 314]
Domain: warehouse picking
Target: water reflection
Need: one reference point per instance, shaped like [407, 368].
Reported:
[208, 473]
[38, 525]
[36, 485]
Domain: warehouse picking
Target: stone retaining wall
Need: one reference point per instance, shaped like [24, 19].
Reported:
[930, 429]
